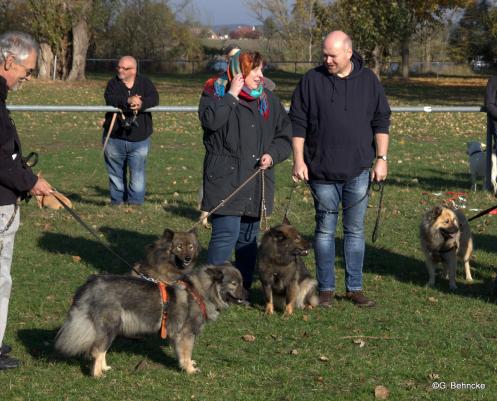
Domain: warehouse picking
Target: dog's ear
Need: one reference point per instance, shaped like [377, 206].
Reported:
[216, 272]
[437, 211]
[168, 234]
[275, 232]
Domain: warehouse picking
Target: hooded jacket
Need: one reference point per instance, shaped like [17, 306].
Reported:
[15, 178]
[235, 137]
[117, 94]
[338, 117]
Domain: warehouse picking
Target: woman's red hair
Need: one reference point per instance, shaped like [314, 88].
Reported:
[249, 61]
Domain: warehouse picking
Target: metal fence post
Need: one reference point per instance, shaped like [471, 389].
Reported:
[490, 150]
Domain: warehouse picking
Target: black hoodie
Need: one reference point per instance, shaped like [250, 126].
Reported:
[338, 117]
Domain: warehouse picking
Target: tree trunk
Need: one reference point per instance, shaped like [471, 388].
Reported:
[405, 58]
[428, 58]
[80, 44]
[45, 59]
[377, 52]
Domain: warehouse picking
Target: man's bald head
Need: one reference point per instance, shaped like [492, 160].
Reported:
[337, 52]
[126, 69]
[338, 39]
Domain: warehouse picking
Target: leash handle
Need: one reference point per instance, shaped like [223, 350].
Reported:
[111, 127]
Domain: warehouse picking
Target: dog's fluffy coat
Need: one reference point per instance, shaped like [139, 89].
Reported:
[445, 237]
[477, 158]
[110, 305]
[283, 274]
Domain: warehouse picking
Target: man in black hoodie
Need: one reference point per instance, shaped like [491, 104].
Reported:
[18, 52]
[129, 140]
[340, 117]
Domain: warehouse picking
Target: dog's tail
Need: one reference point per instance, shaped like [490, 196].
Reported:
[77, 335]
[307, 294]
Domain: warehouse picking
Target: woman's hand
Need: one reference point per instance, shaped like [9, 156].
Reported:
[236, 85]
[266, 161]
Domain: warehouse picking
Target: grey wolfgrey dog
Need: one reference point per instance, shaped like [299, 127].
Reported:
[110, 305]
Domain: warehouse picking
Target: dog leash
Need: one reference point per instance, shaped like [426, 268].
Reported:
[232, 194]
[91, 230]
[483, 213]
[376, 186]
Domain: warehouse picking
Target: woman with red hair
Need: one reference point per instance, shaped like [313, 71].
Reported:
[245, 128]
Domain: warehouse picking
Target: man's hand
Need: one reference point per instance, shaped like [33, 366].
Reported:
[135, 102]
[300, 171]
[42, 187]
[236, 85]
[380, 170]
[266, 161]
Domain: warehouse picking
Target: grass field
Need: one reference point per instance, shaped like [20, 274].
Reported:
[414, 337]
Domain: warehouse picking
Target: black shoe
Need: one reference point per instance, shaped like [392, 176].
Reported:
[7, 362]
[5, 349]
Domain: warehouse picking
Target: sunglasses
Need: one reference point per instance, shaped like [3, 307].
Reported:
[29, 71]
[124, 68]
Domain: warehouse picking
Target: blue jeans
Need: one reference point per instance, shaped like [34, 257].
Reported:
[329, 197]
[121, 155]
[238, 233]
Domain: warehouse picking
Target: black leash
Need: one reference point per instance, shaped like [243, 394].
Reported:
[92, 231]
[378, 187]
[372, 186]
[483, 213]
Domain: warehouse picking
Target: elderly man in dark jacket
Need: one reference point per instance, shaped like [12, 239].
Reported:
[245, 128]
[129, 141]
[18, 52]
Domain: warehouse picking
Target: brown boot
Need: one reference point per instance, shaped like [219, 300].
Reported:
[326, 298]
[360, 299]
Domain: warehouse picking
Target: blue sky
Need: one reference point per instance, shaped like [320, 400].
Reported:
[219, 12]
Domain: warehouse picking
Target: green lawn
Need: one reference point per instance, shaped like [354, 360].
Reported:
[415, 336]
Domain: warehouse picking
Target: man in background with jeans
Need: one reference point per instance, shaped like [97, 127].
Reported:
[129, 140]
[18, 52]
[340, 118]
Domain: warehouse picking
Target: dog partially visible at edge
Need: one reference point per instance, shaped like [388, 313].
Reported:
[286, 282]
[173, 254]
[446, 237]
[110, 305]
[477, 158]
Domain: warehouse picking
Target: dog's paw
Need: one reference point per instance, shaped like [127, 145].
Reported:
[452, 287]
[269, 309]
[430, 284]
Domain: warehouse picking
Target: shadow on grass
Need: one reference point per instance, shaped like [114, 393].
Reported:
[436, 182]
[40, 345]
[128, 244]
[413, 271]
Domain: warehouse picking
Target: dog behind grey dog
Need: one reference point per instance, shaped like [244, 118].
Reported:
[173, 254]
[477, 158]
[445, 237]
[284, 276]
[110, 305]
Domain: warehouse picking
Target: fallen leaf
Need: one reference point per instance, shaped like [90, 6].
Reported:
[323, 358]
[433, 376]
[294, 352]
[381, 393]
[432, 299]
[360, 342]
[76, 259]
[248, 338]
[305, 318]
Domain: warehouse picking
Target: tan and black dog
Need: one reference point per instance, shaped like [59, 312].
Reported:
[445, 237]
[284, 277]
[172, 255]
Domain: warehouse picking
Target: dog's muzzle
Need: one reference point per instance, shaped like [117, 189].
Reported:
[449, 232]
